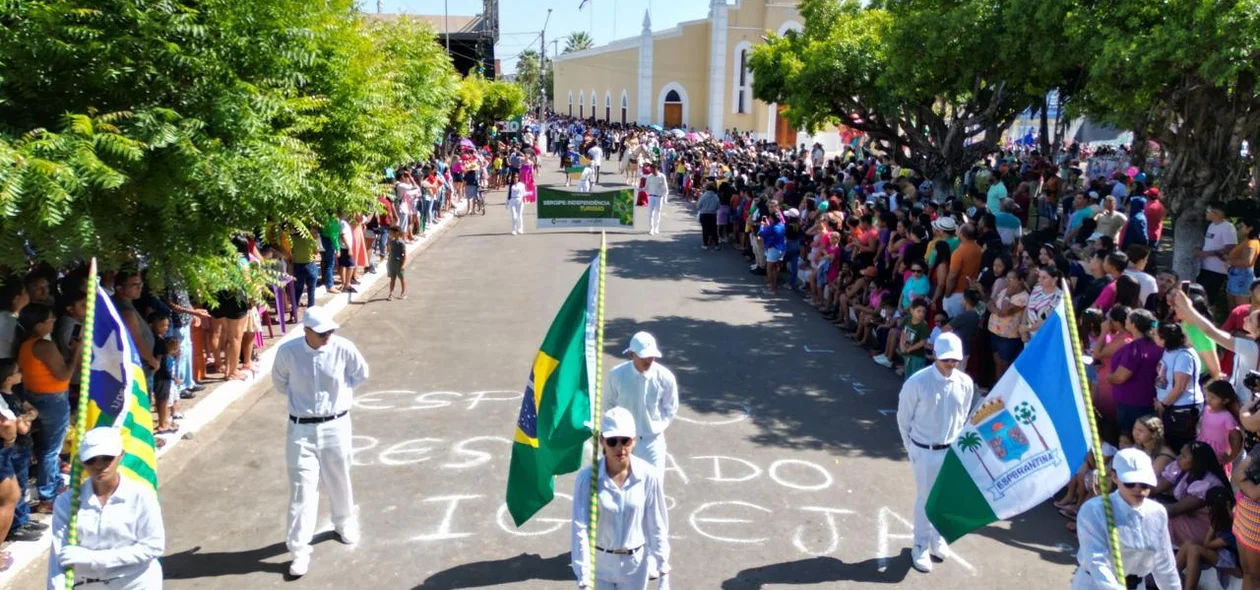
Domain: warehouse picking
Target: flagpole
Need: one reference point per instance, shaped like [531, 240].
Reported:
[596, 408]
[1100, 461]
[80, 415]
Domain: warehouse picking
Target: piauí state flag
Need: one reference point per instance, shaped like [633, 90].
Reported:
[555, 418]
[1022, 444]
[118, 394]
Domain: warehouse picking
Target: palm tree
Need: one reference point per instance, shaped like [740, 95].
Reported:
[577, 41]
[971, 442]
[1027, 415]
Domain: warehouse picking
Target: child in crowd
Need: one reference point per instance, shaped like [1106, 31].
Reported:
[914, 338]
[1219, 425]
[1219, 549]
[397, 259]
[1091, 332]
[163, 380]
[22, 527]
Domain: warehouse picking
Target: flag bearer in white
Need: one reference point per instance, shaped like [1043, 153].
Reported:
[1142, 524]
[318, 374]
[657, 188]
[650, 392]
[633, 525]
[121, 536]
[933, 406]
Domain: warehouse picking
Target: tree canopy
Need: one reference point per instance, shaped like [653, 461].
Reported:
[577, 41]
[133, 130]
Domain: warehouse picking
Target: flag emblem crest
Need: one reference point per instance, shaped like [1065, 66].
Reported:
[1000, 432]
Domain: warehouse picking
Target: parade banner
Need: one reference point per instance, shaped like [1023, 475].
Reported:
[568, 208]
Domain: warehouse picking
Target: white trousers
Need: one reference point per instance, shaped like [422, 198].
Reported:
[654, 215]
[621, 572]
[926, 464]
[318, 454]
[652, 450]
[516, 207]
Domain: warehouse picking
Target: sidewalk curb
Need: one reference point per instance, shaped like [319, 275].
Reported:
[212, 417]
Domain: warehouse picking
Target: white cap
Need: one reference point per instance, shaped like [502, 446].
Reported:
[618, 422]
[644, 346]
[793, 213]
[1133, 466]
[102, 441]
[948, 347]
[319, 319]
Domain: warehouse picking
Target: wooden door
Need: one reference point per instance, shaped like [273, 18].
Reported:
[673, 115]
[784, 133]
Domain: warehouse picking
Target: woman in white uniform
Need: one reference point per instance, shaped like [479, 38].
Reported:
[633, 523]
[1145, 544]
[121, 535]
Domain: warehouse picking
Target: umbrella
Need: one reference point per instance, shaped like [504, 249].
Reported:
[656, 127]
[677, 132]
[693, 136]
[466, 143]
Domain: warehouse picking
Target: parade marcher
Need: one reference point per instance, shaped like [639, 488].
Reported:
[657, 187]
[633, 523]
[1142, 524]
[934, 403]
[119, 523]
[318, 374]
[516, 204]
[649, 392]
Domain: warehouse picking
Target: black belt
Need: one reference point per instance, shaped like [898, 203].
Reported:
[85, 581]
[620, 551]
[929, 447]
[316, 419]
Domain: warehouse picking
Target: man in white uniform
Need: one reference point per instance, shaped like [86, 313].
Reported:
[318, 374]
[931, 411]
[516, 206]
[657, 188]
[596, 154]
[650, 392]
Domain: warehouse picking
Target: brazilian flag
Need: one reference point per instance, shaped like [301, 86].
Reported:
[555, 419]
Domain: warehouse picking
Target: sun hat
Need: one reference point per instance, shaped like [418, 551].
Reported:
[945, 224]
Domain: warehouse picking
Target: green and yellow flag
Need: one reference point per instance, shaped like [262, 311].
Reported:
[555, 418]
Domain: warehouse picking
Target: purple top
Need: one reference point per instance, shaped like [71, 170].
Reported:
[1141, 357]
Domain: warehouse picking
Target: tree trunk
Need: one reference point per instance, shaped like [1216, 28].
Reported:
[942, 187]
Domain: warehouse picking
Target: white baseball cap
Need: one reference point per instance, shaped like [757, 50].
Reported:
[618, 422]
[319, 319]
[1133, 466]
[644, 346]
[102, 441]
[948, 347]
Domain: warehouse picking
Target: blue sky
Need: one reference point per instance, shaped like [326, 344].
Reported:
[521, 20]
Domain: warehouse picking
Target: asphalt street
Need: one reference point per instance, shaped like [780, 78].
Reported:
[786, 468]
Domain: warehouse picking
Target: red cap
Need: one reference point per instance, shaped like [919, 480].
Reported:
[1152, 192]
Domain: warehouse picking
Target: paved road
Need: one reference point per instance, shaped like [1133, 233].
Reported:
[786, 468]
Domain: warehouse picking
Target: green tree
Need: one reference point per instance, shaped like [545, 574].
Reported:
[501, 101]
[577, 41]
[1027, 415]
[932, 82]
[1182, 73]
[971, 442]
[529, 75]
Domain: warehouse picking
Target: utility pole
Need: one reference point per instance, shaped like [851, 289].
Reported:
[379, 7]
[446, 24]
[542, 66]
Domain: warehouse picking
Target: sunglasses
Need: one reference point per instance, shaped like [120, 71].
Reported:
[1134, 486]
[618, 441]
[916, 270]
[100, 460]
[324, 335]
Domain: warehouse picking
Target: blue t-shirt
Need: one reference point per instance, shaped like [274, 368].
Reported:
[915, 287]
[772, 236]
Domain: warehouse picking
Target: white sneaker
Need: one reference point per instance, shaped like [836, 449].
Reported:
[883, 361]
[513, 232]
[300, 566]
[921, 559]
[350, 534]
[939, 551]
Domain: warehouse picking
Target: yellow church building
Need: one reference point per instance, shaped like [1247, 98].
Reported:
[693, 76]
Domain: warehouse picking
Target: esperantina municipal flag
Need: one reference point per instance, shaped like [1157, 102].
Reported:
[555, 418]
[118, 394]
[1022, 444]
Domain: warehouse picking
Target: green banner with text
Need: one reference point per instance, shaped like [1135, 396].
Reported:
[568, 208]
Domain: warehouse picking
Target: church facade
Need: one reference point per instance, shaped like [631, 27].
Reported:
[694, 76]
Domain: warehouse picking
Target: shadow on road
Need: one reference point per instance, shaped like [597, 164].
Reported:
[821, 570]
[482, 574]
[192, 564]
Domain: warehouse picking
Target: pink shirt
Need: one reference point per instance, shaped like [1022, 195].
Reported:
[1214, 429]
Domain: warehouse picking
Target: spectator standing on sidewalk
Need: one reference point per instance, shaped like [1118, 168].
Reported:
[1217, 243]
[397, 260]
[46, 379]
[707, 213]
[305, 271]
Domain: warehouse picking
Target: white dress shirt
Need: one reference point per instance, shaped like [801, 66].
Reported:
[932, 407]
[1145, 545]
[655, 185]
[124, 538]
[630, 517]
[651, 396]
[319, 382]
